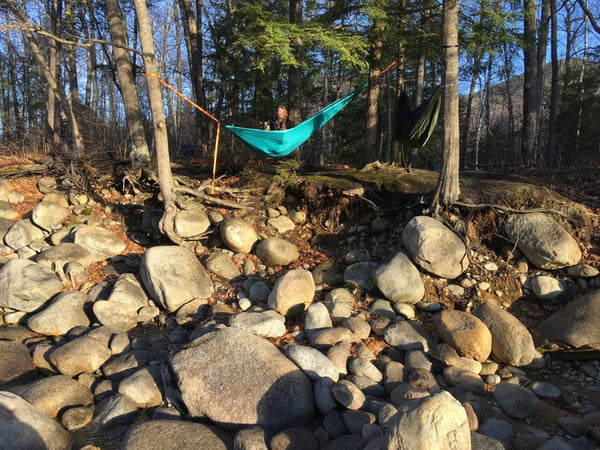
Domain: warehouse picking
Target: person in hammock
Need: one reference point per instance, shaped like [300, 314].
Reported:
[279, 119]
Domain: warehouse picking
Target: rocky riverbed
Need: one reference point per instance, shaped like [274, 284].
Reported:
[246, 339]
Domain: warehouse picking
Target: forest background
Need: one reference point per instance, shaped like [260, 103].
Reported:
[73, 80]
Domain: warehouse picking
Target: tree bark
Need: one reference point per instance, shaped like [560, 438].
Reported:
[529, 130]
[133, 113]
[70, 52]
[192, 25]
[464, 144]
[372, 97]
[448, 189]
[553, 112]
[77, 145]
[165, 177]
[542, 46]
[414, 152]
[53, 134]
[295, 72]
[515, 150]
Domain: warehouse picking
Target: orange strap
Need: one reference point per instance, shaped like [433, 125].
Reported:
[390, 65]
[216, 150]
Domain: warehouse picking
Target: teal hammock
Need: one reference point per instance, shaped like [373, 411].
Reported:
[279, 143]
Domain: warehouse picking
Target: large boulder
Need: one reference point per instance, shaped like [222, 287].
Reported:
[435, 422]
[292, 293]
[173, 276]
[543, 240]
[463, 331]
[573, 327]
[511, 341]
[25, 426]
[26, 285]
[435, 247]
[399, 280]
[101, 243]
[238, 235]
[237, 379]
[174, 435]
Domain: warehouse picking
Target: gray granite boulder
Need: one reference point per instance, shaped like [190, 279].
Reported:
[25, 426]
[173, 276]
[516, 401]
[438, 421]
[49, 215]
[222, 265]
[22, 233]
[238, 235]
[191, 224]
[26, 285]
[237, 379]
[292, 293]
[101, 243]
[435, 247]
[16, 363]
[65, 312]
[574, 326]
[511, 341]
[274, 251]
[174, 435]
[399, 280]
[64, 253]
[543, 240]
[56, 393]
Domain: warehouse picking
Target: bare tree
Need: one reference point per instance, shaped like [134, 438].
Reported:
[52, 118]
[165, 177]
[448, 189]
[131, 104]
[529, 130]
[192, 25]
[553, 112]
[295, 72]
[45, 70]
[372, 100]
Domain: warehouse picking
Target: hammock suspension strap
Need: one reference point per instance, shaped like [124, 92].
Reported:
[202, 110]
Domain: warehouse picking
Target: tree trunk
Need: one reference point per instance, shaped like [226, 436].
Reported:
[165, 177]
[542, 46]
[70, 52]
[324, 151]
[91, 83]
[515, 150]
[192, 25]
[529, 130]
[551, 149]
[464, 143]
[372, 97]
[414, 152]
[295, 72]
[77, 144]
[52, 115]
[581, 90]
[178, 130]
[396, 155]
[133, 113]
[448, 189]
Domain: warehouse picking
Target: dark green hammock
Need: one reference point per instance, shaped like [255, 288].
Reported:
[414, 126]
[280, 143]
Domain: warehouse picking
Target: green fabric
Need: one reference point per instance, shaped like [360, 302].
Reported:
[415, 126]
[280, 143]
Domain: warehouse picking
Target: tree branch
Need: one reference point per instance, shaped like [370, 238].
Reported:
[37, 29]
[590, 16]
